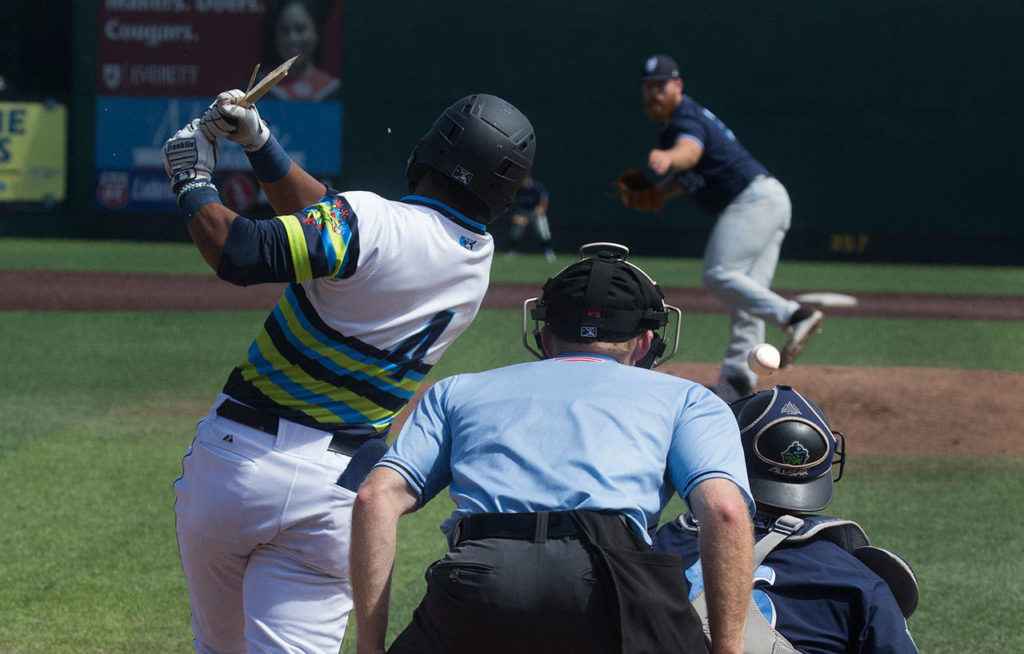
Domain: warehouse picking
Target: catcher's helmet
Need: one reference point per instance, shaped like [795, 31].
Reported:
[602, 298]
[790, 449]
[482, 143]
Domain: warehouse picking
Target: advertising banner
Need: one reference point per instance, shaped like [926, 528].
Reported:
[33, 152]
[160, 63]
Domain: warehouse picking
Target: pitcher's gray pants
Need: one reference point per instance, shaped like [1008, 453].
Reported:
[739, 263]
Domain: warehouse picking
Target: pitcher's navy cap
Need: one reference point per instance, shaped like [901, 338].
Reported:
[658, 67]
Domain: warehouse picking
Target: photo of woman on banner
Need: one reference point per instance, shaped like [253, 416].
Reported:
[309, 29]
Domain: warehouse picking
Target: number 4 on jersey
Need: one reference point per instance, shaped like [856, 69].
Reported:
[411, 351]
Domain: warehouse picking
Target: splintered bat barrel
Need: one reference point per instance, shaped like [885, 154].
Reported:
[265, 84]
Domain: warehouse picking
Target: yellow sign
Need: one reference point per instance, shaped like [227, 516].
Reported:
[33, 152]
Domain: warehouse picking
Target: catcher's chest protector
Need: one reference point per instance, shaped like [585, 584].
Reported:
[759, 636]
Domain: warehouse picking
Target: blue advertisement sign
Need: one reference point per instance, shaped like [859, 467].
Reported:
[130, 133]
[161, 64]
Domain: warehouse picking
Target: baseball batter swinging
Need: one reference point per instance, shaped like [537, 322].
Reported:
[703, 158]
[378, 290]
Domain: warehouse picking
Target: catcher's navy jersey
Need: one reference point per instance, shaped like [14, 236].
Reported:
[572, 432]
[724, 169]
[816, 594]
[379, 290]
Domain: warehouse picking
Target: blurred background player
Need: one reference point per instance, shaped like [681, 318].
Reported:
[702, 158]
[818, 582]
[529, 208]
[377, 290]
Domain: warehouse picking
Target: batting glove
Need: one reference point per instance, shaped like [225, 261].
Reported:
[226, 120]
[189, 156]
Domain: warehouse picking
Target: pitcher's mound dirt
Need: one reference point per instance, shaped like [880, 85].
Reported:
[906, 410]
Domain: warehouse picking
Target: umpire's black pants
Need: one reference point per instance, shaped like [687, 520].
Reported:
[506, 596]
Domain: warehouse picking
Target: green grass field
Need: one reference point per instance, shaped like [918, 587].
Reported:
[96, 410]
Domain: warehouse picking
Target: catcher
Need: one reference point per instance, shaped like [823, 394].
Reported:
[819, 585]
[697, 154]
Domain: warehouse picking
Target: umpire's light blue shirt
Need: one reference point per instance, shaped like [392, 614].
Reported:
[573, 432]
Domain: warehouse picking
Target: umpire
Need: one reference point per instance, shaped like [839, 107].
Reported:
[558, 468]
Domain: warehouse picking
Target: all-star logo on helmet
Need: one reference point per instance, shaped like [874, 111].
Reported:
[790, 449]
[796, 454]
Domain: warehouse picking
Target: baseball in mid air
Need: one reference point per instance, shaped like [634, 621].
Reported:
[763, 359]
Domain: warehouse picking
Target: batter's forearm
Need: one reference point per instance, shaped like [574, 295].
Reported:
[209, 228]
[293, 192]
[288, 187]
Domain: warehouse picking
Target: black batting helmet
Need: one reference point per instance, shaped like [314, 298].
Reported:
[481, 142]
[790, 449]
[603, 298]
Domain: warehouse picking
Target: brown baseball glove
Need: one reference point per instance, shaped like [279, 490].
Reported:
[638, 192]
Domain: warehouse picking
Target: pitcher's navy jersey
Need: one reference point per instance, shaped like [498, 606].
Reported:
[379, 290]
[815, 593]
[724, 169]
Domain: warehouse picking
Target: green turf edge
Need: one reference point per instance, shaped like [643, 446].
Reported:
[183, 258]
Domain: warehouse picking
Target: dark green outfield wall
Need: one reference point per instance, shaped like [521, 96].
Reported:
[895, 125]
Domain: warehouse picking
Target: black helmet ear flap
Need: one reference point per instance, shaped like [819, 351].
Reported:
[540, 343]
[657, 349]
[536, 313]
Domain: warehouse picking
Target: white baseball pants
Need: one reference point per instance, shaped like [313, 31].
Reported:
[263, 534]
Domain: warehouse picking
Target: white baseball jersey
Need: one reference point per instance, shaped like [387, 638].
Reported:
[401, 281]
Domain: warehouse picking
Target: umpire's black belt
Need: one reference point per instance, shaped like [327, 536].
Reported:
[267, 422]
[537, 527]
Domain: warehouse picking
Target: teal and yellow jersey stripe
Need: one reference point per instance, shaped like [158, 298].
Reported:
[303, 370]
[322, 240]
[350, 341]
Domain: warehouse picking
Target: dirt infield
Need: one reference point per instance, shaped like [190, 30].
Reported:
[881, 410]
[47, 290]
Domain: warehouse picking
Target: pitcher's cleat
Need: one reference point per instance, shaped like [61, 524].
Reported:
[804, 324]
